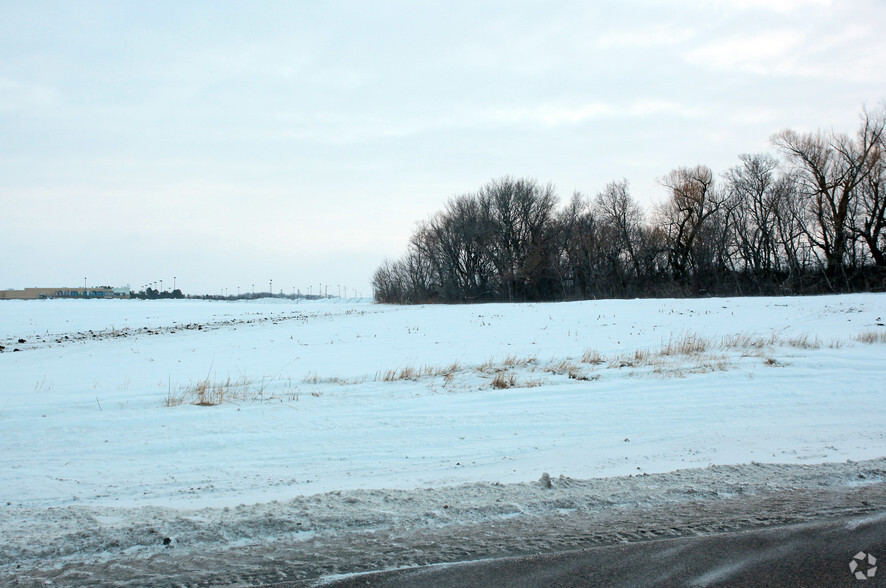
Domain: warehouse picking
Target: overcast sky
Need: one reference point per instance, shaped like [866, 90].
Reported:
[233, 143]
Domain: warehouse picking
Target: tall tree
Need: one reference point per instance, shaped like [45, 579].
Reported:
[870, 223]
[517, 214]
[753, 187]
[831, 167]
[691, 203]
[618, 209]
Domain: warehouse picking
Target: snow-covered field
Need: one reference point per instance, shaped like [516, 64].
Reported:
[97, 410]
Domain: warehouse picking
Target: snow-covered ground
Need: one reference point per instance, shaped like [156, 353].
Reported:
[97, 406]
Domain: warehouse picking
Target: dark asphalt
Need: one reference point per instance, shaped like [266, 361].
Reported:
[811, 554]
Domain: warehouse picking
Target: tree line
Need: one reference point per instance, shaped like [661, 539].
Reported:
[154, 294]
[810, 219]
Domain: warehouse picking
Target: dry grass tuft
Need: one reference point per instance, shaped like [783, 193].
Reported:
[487, 367]
[490, 366]
[504, 380]
[315, 379]
[560, 367]
[212, 393]
[513, 361]
[638, 358]
[448, 370]
[413, 373]
[174, 399]
[710, 363]
[531, 383]
[746, 342]
[622, 361]
[568, 369]
[688, 344]
[804, 341]
[578, 375]
[409, 373]
[871, 337]
[386, 376]
[592, 356]
[510, 361]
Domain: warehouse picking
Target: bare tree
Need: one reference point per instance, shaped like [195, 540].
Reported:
[870, 223]
[790, 219]
[454, 241]
[580, 246]
[691, 203]
[831, 167]
[756, 192]
[618, 209]
[517, 214]
[387, 283]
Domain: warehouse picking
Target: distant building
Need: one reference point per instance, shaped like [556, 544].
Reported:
[43, 293]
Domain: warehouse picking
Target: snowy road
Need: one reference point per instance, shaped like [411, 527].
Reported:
[809, 554]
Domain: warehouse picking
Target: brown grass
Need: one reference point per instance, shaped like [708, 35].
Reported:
[487, 367]
[207, 392]
[531, 383]
[592, 356]
[710, 362]
[580, 376]
[413, 373]
[687, 344]
[315, 379]
[746, 342]
[490, 366]
[408, 372]
[510, 361]
[804, 341]
[560, 367]
[504, 380]
[448, 370]
[638, 357]
[871, 337]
